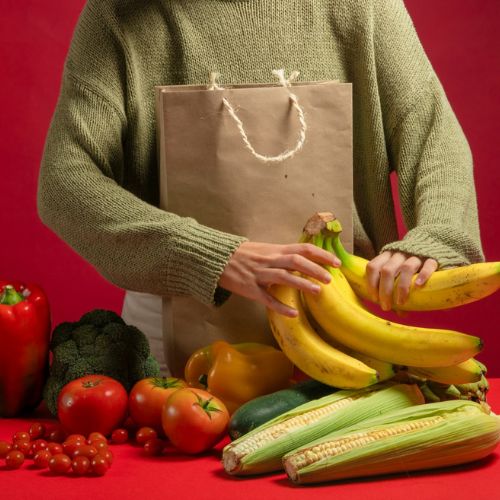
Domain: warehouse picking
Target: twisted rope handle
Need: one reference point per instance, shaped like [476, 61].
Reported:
[280, 73]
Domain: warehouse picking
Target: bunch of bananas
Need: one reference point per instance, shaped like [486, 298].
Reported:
[335, 339]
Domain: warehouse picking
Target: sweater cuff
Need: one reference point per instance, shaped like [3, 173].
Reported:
[424, 245]
[195, 261]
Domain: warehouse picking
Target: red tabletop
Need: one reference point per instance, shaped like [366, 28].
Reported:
[174, 476]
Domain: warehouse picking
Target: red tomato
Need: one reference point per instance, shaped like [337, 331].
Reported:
[147, 398]
[70, 447]
[145, 434]
[154, 447]
[94, 403]
[23, 446]
[41, 459]
[14, 459]
[119, 436]
[100, 445]
[37, 430]
[59, 464]
[96, 436]
[80, 465]
[5, 447]
[21, 436]
[107, 455]
[194, 420]
[85, 450]
[55, 448]
[99, 465]
[56, 435]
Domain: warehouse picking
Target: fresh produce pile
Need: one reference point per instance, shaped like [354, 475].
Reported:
[380, 397]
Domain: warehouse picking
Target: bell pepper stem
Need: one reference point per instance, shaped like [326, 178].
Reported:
[10, 296]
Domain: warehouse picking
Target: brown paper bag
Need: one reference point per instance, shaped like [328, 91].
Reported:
[252, 160]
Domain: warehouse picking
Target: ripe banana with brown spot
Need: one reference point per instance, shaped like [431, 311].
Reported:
[309, 352]
[352, 325]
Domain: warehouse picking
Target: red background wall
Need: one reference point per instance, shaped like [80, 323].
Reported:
[460, 37]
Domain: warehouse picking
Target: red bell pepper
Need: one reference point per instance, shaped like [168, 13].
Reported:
[24, 346]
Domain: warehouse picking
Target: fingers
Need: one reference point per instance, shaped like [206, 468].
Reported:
[314, 253]
[388, 273]
[373, 269]
[430, 265]
[298, 263]
[390, 276]
[264, 297]
[268, 277]
[407, 271]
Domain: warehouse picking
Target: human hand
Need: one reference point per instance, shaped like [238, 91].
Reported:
[383, 270]
[255, 266]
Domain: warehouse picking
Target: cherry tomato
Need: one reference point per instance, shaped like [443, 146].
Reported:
[154, 447]
[21, 436]
[96, 436]
[100, 445]
[37, 430]
[144, 434]
[80, 465]
[86, 450]
[99, 465]
[147, 398]
[119, 436]
[80, 438]
[194, 420]
[5, 447]
[107, 455]
[55, 448]
[56, 435]
[23, 446]
[14, 459]
[38, 445]
[41, 459]
[59, 464]
[94, 403]
[69, 447]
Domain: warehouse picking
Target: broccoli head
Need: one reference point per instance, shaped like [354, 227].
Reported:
[100, 343]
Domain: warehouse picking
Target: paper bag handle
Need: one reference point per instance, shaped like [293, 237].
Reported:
[280, 73]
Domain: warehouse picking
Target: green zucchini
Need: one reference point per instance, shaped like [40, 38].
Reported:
[264, 408]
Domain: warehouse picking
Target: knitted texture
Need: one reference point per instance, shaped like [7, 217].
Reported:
[98, 184]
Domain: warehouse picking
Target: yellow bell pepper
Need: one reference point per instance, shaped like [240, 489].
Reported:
[237, 373]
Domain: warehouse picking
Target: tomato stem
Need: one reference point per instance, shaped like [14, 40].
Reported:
[206, 405]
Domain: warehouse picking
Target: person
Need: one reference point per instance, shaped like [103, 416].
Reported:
[98, 184]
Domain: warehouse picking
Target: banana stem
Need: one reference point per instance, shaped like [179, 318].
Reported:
[318, 240]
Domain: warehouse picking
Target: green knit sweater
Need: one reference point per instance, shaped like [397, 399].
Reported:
[98, 185]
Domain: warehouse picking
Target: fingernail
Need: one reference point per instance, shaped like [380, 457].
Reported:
[384, 307]
[337, 262]
[315, 289]
[327, 278]
[419, 281]
[292, 313]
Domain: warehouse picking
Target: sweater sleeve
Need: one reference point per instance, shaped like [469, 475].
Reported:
[426, 147]
[133, 244]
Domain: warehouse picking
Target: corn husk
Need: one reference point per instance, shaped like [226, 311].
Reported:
[262, 449]
[421, 437]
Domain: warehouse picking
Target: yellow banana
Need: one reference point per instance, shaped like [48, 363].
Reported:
[352, 325]
[384, 369]
[309, 352]
[443, 290]
[466, 372]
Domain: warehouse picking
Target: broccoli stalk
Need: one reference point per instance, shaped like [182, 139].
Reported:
[100, 343]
